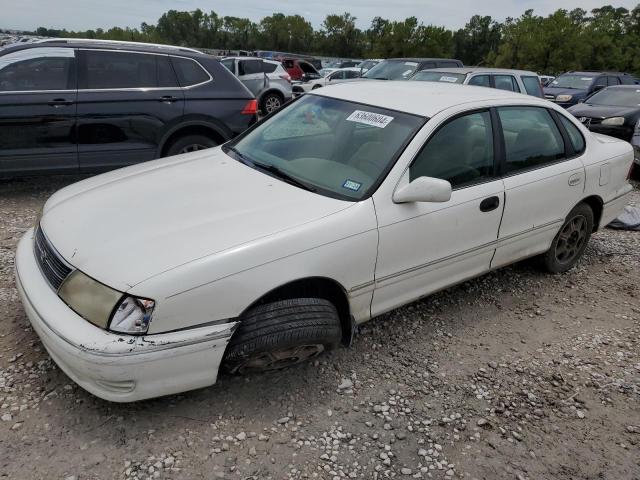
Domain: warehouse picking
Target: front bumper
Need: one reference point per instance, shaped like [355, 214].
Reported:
[116, 367]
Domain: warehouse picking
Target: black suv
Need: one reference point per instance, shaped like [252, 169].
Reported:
[71, 106]
[573, 87]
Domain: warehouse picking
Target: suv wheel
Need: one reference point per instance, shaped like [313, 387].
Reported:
[270, 103]
[190, 143]
[570, 242]
[280, 334]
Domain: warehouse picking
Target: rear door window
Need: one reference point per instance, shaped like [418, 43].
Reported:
[249, 67]
[103, 69]
[505, 82]
[351, 74]
[613, 81]
[532, 86]
[600, 82]
[531, 138]
[189, 71]
[229, 63]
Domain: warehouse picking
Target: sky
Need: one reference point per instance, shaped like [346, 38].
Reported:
[91, 14]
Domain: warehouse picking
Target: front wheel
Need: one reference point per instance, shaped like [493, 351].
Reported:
[570, 242]
[283, 333]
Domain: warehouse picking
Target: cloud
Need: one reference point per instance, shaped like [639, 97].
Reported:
[87, 14]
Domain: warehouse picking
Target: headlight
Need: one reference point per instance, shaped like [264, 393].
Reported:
[132, 315]
[616, 121]
[104, 306]
[564, 98]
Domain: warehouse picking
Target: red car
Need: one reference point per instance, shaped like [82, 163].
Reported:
[297, 68]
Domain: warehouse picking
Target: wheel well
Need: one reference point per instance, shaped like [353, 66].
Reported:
[596, 204]
[315, 287]
[192, 130]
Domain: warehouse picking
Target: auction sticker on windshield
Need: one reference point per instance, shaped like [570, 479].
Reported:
[448, 79]
[370, 118]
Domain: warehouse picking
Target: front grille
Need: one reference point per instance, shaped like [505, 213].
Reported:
[588, 121]
[53, 267]
[550, 97]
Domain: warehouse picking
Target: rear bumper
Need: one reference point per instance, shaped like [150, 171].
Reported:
[116, 367]
[614, 207]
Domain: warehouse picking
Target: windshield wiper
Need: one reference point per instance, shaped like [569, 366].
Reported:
[271, 169]
[281, 174]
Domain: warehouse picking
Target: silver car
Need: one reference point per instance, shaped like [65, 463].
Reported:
[267, 80]
[519, 81]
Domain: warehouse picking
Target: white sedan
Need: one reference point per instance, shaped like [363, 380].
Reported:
[350, 202]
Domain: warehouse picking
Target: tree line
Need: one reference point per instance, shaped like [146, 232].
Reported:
[606, 38]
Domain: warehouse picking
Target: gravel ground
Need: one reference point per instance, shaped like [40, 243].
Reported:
[516, 375]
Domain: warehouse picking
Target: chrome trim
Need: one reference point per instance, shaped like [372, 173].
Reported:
[497, 243]
[361, 286]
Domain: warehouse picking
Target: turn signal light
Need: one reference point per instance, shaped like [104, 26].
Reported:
[251, 108]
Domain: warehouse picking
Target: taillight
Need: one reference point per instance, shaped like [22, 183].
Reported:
[286, 77]
[251, 108]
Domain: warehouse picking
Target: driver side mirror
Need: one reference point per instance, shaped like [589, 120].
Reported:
[424, 189]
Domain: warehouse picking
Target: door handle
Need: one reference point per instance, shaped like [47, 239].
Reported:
[59, 102]
[489, 204]
[168, 99]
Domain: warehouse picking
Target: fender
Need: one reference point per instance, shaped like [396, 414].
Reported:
[194, 120]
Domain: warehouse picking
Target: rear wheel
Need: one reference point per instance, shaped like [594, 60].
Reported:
[570, 242]
[190, 143]
[280, 334]
[270, 103]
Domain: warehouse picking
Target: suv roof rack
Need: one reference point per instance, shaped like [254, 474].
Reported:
[159, 46]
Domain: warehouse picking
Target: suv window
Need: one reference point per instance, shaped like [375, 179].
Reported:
[577, 140]
[229, 63]
[600, 82]
[269, 67]
[460, 152]
[37, 69]
[532, 86]
[249, 67]
[189, 71]
[531, 137]
[337, 75]
[613, 81]
[351, 74]
[427, 65]
[480, 81]
[108, 69]
[505, 82]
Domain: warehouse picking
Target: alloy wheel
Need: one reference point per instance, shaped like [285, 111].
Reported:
[571, 239]
[272, 104]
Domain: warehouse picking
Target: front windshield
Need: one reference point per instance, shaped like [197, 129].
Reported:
[578, 82]
[392, 70]
[618, 97]
[431, 76]
[336, 147]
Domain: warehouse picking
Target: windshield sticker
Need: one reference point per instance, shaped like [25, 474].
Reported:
[407, 73]
[448, 79]
[351, 185]
[370, 118]
[411, 64]
[585, 78]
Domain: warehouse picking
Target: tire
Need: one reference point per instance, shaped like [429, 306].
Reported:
[570, 242]
[190, 143]
[270, 103]
[283, 333]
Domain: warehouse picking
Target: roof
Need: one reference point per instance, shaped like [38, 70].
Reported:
[403, 59]
[418, 98]
[592, 72]
[464, 70]
[110, 44]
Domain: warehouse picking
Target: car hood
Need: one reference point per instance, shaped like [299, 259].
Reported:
[128, 225]
[603, 111]
[564, 91]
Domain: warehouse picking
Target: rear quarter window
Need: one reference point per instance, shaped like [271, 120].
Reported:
[270, 67]
[577, 140]
[189, 71]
